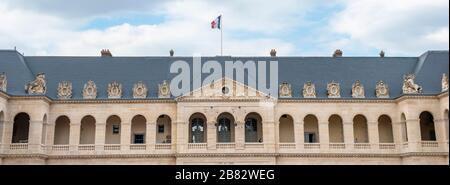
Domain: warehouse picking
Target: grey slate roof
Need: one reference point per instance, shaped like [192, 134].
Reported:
[294, 70]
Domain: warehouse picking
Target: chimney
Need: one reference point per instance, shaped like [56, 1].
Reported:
[106, 53]
[382, 53]
[273, 53]
[171, 52]
[337, 53]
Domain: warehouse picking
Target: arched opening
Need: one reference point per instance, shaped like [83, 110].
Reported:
[253, 128]
[446, 123]
[404, 128]
[360, 129]
[138, 129]
[336, 129]
[87, 130]
[198, 128]
[62, 131]
[427, 130]
[113, 132]
[385, 132]
[286, 129]
[311, 129]
[164, 129]
[225, 128]
[44, 130]
[21, 128]
[2, 117]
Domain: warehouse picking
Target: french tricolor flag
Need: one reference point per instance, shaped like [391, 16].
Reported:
[217, 23]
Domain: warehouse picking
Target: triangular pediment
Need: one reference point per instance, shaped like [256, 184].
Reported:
[223, 89]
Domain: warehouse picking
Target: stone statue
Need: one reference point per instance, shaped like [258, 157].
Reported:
[357, 90]
[3, 82]
[309, 90]
[334, 90]
[444, 82]
[382, 90]
[90, 90]
[37, 86]
[64, 90]
[285, 90]
[409, 86]
[114, 90]
[139, 90]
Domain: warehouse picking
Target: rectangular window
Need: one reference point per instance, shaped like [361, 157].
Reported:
[139, 138]
[116, 129]
[160, 128]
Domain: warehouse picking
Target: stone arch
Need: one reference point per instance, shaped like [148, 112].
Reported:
[385, 131]
[427, 126]
[2, 120]
[253, 128]
[311, 129]
[360, 129]
[198, 128]
[113, 130]
[286, 129]
[336, 129]
[138, 129]
[404, 127]
[225, 128]
[164, 129]
[44, 130]
[446, 123]
[21, 128]
[87, 130]
[62, 131]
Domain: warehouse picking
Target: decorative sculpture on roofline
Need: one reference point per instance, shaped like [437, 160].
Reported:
[114, 90]
[164, 90]
[309, 90]
[444, 82]
[64, 90]
[285, 90]
[357, 90]
[3, 82]
[334, 90]
[90, 90]
[139, 90]
[37, 86]
[409, 87]
[382, 90]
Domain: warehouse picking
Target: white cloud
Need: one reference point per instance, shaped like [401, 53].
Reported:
[401, 27]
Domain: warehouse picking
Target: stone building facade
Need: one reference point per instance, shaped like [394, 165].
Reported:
[118, 110]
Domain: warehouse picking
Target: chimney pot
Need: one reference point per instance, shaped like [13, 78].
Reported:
[337, 53]
[106, 53]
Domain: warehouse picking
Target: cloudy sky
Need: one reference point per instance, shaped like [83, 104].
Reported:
[250, 27]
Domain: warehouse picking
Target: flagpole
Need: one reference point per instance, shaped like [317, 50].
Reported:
[221, 35]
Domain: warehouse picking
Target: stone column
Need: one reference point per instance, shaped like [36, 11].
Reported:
[373, 134]
[240, 135]
[211, 135]
[414, 136]
[324, 136]
[348, 135]
[299, 135]
[7, 134]
[125, 136]
[277, 135]
[397, 131]
[34, 136]
[74, 136]
[269, 136]
[100, 129]
[182, 137]
[150, 136]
